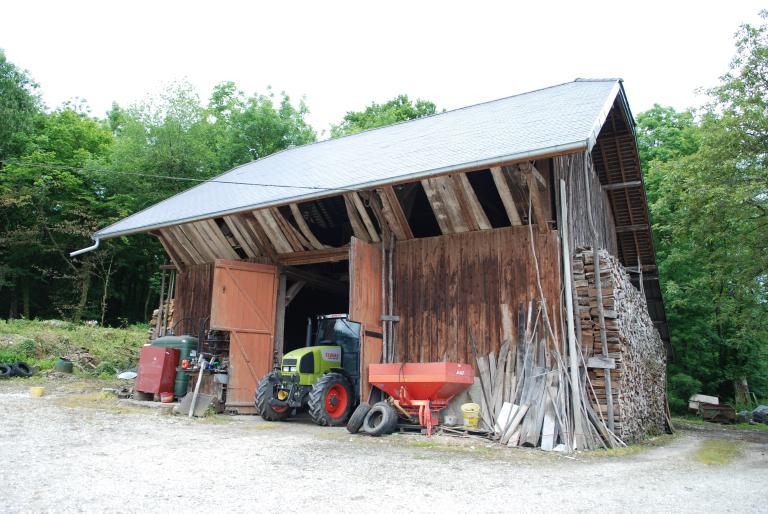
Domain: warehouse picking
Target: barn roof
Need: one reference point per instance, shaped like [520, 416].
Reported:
[557, 119]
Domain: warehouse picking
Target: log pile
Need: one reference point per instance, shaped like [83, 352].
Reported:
[158, 327]
[635, 350]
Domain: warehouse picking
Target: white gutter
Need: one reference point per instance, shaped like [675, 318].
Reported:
[474, 165]
[88, 249]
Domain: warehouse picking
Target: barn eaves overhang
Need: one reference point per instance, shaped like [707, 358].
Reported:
[556, 120]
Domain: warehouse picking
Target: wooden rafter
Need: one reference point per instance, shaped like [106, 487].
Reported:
[358, 229]
[366, 219]
[438, 206]
[447, 205]
[240, 233]
[506, 196]
[170, 237]
[304, 228]
[478, 214]
[314, 256]
[393, 214]
[219, 242]
[261, 236]
[194, 242]
[272, 231]
[173, 253]
[534, 180]
[292, 235]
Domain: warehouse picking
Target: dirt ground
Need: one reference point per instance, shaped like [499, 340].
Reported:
[75, 450]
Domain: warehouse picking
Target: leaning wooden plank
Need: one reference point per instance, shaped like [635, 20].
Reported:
[538, 210]
[548, 429]
[498, 384]
[506, 196]
[506, 414]
[393, 213]
[366, 219]
[485, 383]
[513, 427]
[481, 219]
[304, 228]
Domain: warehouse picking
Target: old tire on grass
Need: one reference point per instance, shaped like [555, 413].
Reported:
[264, 391]
[357, 418]
[381, 419]
[21, 369]
[6, 371]
[330, 400]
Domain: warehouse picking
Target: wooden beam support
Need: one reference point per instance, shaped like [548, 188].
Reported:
[358, 228]
[304, 228]
[317, 280]
[632, 228]
[475, 208]
[458, 215]
[292, 235]
[365, 217]
[173, 253]
[261, 236]
[438, 207]
[530, 173]
[195, 241]
[622, 185]
[506, 196]
[219, 242]
[272, 231]
[393, 213]
[240, 233]
[314, 256]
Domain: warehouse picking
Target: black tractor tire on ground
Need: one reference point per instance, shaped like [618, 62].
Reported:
[357, 418]
[395, 418]
[263, 393]
[380, 420]
[22, 369]
[331, 400]
[6, 371]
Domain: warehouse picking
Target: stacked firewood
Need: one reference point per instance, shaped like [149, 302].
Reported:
[166, 322]
[634, 347]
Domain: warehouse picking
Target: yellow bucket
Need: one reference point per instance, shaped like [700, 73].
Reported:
[36, 391]
[471, 413]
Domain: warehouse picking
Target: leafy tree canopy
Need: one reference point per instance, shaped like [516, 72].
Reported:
[375, 115]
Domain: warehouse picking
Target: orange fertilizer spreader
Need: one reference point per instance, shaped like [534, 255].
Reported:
[422, 389]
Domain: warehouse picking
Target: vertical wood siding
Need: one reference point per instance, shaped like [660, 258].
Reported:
[447, 286]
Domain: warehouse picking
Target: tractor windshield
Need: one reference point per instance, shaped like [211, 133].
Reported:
[344, 333]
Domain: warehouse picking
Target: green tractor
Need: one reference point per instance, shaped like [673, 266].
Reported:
[323, 377]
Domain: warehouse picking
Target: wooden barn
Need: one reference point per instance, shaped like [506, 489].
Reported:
[432, 234]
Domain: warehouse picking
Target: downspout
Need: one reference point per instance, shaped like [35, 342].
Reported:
[88, 249]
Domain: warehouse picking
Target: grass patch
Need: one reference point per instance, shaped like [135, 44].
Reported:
[695, 420]
[634, 449]
[96, 351]
[718, 451]
[94, 400]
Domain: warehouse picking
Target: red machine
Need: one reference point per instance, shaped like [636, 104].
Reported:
[157, 369]
[422, 389]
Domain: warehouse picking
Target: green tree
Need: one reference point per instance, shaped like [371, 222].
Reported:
[19, 104]
[375, 115]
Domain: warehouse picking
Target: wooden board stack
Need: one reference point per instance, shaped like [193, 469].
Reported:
[524, 392]
[635, 349]
[153, 328]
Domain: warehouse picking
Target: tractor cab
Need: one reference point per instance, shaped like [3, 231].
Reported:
[323, 377]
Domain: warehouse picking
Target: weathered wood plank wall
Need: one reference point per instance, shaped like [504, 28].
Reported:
[193, 297]
[571, 168]
[446, 286]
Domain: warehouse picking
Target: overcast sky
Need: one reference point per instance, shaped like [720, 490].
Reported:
[343, 55]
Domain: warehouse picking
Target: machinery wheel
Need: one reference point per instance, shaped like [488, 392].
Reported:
[264, 391]
[357, 418]
[5, 371]
[330, 400]
[380, 420]
[395, 418]
[21, 369]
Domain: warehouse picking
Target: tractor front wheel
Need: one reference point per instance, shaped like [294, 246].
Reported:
[330, 400]
[264, 391]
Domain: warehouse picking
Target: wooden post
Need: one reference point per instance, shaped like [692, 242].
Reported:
[161, 308]
[280, 318]
[578, 439]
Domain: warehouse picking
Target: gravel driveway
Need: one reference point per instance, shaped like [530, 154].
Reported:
[73, 452]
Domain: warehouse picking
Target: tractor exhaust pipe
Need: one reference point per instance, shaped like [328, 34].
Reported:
[86, 250]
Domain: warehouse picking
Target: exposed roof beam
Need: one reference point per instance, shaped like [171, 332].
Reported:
[366, 219]
[477, 212]
[633, 228]
[304, 228]
[272, 231]
[358, 229]
[240, 233]
[314, 256]
[506, 196]
[393, 213]
[622, 185]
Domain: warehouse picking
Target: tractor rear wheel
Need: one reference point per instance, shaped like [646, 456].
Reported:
[264, 391]
[330, 400]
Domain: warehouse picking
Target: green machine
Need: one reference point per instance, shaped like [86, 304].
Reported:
[186, 345]
[323, 377]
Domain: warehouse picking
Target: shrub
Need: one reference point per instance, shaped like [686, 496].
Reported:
[680, 388]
